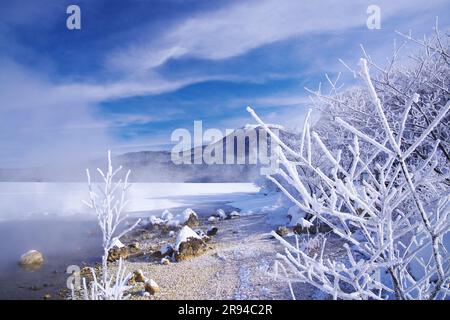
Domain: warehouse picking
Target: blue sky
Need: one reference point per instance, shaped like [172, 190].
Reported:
[139, 69]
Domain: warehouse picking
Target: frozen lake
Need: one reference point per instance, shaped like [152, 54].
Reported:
[22, 200]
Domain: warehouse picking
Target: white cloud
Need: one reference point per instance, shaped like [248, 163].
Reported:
[43, 122]
[246, 25]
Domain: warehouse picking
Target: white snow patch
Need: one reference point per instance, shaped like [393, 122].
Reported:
[181, 218]
[305, 223]
[169, 219]
[156, 221]
[165, 249]
[117, 244]
[256, 203]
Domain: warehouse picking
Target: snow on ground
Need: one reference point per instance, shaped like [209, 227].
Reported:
[19, 200]
[255, 203]
[237, 266]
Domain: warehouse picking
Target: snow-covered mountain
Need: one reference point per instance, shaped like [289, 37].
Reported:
[157, 166]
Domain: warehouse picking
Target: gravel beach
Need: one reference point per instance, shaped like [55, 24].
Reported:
[235, 267]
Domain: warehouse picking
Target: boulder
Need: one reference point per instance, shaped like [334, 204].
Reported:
[31, 259]
[155, 221]
[166, 215]
[151, 287]
[310, 228]
[212, 231]
[191, 248]
[189, 244]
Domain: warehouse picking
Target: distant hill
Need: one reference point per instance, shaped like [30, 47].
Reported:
[157, 166]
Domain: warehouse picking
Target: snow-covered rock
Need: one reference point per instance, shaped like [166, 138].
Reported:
[212, 219]
[188, 244]
[221, 214]
[282, 231]
[187, 217]
[155, 221]
[184, 235]
[234, 214]
[166, 215]
[212, 231]
[117, 253]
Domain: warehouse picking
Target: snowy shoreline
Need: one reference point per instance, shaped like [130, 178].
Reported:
[83, 239]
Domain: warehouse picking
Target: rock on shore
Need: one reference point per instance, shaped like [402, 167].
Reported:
[188, 245]
[32, 258]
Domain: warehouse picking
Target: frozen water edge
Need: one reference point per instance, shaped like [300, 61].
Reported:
[41, 200]
[235, 269]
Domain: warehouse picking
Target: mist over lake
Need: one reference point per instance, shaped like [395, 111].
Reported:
[41, 200]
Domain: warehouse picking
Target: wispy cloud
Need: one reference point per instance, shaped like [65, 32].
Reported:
[246, 25]
[48, 114]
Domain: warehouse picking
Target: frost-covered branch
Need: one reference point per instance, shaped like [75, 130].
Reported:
[109, 202]
[376, 198]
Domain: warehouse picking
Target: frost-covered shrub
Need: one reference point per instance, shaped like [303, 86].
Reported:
[109, 202]
[418, 82]
[377, 190]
